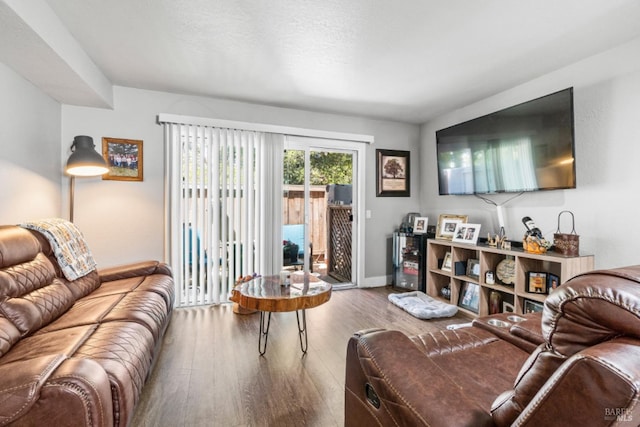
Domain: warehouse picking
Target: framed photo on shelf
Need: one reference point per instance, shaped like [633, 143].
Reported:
[507, 307]
[393, 174]
[553, 282]
[473, 268]
[490, 278]
[470, 296]
[466, 233]
[447, 225]
[420, 225]
[536, 282]
[124, 159]
[532, 306]
[446, 263]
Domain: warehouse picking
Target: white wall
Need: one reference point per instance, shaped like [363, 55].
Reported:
[30, 167]
[123, 221]
[607, 133]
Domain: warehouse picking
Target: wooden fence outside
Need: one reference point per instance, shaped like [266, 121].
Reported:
[293, 213]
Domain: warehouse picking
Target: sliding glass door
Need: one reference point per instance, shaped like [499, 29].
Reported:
[318, 209]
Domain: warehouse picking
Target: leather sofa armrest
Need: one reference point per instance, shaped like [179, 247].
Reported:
[524, 333]
[54, 390]
[143, 268]
[21, 384]
[597, 386]
[411, 389]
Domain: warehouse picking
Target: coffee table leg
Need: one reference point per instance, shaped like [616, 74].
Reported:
[264, 332]
[302, 331]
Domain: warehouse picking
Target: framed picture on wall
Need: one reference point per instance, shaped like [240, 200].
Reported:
[393, 174]
[124, 159]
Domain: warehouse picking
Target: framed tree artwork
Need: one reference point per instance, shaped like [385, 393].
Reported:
[393, 174]
[124, 159]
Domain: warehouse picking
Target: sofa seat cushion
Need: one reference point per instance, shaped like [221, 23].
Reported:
[468, 355]
[87, 311]
[147, 308]
[64, 342]
[449, 341]
[475, 369]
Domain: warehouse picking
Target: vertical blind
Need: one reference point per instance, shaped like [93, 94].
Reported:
[223, 208]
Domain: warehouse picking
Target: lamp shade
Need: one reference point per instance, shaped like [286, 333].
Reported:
[84, 160]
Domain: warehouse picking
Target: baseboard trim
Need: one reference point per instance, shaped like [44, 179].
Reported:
[375, 282]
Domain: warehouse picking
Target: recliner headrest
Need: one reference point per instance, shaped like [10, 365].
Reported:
[592, 308]
[17, 245]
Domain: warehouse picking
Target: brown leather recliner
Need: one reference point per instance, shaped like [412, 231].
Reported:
[578, 365]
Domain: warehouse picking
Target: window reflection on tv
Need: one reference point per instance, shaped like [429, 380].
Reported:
[527, 147]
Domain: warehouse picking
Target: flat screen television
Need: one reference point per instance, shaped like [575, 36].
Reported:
[527, 147]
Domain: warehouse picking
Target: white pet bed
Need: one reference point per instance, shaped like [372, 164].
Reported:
[422, 306]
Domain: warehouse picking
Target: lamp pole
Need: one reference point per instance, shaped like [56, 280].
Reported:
[72, 186]
[83, 161]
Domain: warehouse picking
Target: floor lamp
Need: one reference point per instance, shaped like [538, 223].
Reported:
[83, 161]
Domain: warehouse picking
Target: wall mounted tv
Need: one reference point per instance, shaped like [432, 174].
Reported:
[527, 147]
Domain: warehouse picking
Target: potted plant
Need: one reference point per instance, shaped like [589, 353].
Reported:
[289, 252]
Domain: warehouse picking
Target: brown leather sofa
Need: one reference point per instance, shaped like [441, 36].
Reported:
[576, 364]
[75, 353]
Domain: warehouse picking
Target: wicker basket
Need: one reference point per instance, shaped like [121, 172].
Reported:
[567, 244]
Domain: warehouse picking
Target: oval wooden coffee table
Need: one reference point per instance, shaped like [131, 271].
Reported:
[266, 295]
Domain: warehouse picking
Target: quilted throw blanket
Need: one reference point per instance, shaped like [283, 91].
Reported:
[68, 244]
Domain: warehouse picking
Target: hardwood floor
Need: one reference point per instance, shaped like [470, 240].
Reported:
[209, 372]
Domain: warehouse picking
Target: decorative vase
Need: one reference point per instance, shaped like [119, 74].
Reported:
[495, 302]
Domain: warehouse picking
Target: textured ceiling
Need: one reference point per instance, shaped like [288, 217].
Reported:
[406, 60]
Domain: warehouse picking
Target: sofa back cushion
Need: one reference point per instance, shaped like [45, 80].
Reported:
[9, 335]
[31, 295]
